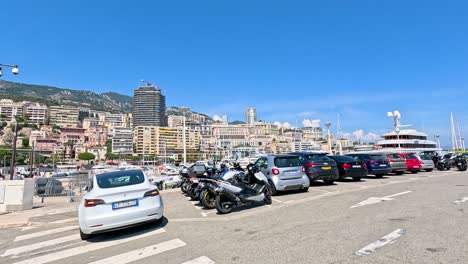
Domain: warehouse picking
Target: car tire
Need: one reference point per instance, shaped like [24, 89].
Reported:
[158, 221]
[328, 182]
[399, 172]
[414, 172]
[84, 236]
[429, 170]
[356, 178]
[306, 189]
[379, 175]
[273, 190]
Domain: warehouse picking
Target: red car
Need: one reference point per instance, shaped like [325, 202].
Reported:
[413, 163]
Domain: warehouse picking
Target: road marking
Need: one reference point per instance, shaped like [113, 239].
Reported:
[200, 260]
[460, 201]
[374, 200]
[87, 248]
[49, 250]
[317, 189]
[44, 233]
[68, 220]
[142, 252]
[204, 214]
[36, 246]
[276, 200]
[388, 239]
[351, 184]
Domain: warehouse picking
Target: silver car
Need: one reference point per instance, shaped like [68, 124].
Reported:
[397, 163]
[427, 162]
[284, 172]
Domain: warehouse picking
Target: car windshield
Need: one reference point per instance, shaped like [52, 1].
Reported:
[282, 162]
[410, 156]
[317, 157]
[343, 158]
[119, 179]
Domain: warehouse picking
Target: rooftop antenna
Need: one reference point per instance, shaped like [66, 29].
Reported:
[147, 83]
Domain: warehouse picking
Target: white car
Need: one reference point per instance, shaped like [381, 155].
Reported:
[117, 200]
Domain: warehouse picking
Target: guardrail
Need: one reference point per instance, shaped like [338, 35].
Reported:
[72, 187]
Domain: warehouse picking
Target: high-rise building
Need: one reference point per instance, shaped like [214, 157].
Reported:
[250, 116]
[64, 116]
[149, 107]
[37, 113]
[9, 110]
[122, 141]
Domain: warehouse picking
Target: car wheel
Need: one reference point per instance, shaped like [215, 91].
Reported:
[84, 236]
[306, 189]
[328, 182]
[356, 178]
[399, 172]
[379, 175]
[429, 170]
[414, 172]
[273, 188]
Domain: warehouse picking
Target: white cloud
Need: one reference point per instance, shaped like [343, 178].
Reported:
[285, 125]
[371, 137]
[217, 118]
[278, 124]
[346, 135]
[311, 123]
[359, 135]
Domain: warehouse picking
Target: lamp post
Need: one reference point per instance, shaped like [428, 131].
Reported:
[13, 156]
[328, 124]
[14, 70]
[438, 141]
[396, 118]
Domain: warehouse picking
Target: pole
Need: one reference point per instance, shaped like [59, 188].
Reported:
[13, 156]
[329, 141]
[185, 144]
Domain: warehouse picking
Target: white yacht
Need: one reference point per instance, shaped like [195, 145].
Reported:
[410, 141]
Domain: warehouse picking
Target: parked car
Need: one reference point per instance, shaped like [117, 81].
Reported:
[397, 163]
[284, 172]
[318, 166]
[349, 167]
[426, 162]
[117, 200]
[48, 186]
[377, 163]
[413, 163]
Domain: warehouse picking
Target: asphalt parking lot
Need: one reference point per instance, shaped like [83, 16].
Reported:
[412, 218]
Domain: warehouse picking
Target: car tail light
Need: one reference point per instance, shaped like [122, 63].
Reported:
[364, 166]
[275, 171]
[390, 160]
[303, 169]
[151, 193]
[311, 164]
[93, 202]
[373, 162]
[346, 166]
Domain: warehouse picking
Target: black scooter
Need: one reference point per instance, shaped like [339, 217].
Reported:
[442, 163]
[460, 162]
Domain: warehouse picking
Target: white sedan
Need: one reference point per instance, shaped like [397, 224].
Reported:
[117, 200]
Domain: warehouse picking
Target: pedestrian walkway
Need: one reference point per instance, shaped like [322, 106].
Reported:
[146, 244]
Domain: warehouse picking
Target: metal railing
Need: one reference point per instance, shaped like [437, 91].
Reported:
[72, 187]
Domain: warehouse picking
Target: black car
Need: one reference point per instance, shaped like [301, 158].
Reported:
[318, 166]
[349, 167]
[377, 163]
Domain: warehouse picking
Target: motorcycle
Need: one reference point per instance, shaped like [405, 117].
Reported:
[460, 162]
[442, 163]
[244, 188]
[184, 183]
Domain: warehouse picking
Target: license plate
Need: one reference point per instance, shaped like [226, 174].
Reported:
[356, 166]
[417, 167]
[326, 168]
[124, 204]
[291, 172]
[383, 165]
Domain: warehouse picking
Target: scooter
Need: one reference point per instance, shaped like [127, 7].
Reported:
[245, 189]
[184, 183]
[442, 163]
[460, 162]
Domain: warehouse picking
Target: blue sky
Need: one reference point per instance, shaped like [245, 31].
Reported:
[311, 59]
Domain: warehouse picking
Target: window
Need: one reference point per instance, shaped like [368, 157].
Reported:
[317, 157]
[410, 156]
[283, 162]
[119, 179]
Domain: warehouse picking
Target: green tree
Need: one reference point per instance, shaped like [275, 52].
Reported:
[111, 156]
[25, 142]
[109, 145]
[86, 156]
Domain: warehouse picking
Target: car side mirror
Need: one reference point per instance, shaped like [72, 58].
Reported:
[86, 188]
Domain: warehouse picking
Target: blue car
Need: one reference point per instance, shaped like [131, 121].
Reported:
[377, 163]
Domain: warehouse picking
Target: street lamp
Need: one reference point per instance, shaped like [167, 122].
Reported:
[396, 117]
[328, 124]
[14, 70]
[13, 156]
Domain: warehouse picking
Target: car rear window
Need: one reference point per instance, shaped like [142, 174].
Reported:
[119, 179]
[410, 156]
[393, 156]
[425, 157]
[377, 157]
[317, 157]
[282, 162]
[343, 158]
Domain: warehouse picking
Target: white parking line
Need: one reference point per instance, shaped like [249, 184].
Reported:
[142, 252]
[200, 260]
[32, 247]
[68, 220]
[86, 248]
[388, 239]
[204, 214]
[44, 233]
[276, 200]
[460, 201]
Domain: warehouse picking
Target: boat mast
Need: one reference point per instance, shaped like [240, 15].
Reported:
[453, 133]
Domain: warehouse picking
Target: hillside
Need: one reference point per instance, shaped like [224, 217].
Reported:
[49, 95]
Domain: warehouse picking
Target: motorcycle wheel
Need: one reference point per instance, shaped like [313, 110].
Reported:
[267, 193]
[183, 188]
[440, 166]
[191, 193]
[208, 199]
[462, 167]
[223, 204]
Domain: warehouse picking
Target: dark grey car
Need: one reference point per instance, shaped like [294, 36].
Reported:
[318, 166]
[397, 163]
